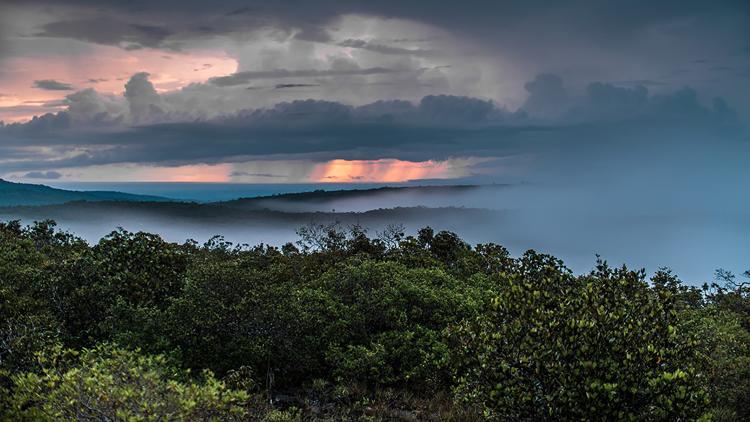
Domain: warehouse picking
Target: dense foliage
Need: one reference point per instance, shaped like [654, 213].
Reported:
[345, 326]
[107, 383]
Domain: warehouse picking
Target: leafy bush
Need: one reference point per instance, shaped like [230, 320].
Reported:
[107, 383]
[381, 322]
[562, 347]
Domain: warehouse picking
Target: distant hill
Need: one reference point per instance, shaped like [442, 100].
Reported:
[22, 194]
[274, 219]
[195, 212]
[321, 195]
[178, 221]
[363, 199]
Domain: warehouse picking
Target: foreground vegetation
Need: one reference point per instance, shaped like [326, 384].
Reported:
[342, 326]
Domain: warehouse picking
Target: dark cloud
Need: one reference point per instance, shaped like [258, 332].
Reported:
[32, 108]
[608, 118]
[643, 82]
[89, 107]
[385, 49]
[144, 102]
[55, 103]
[641, 120]
[245, 10]
[306, 129]
[584, 39]
[606, 102]
[295, 112]
[284, 86]
[679, 72]
[45, 124]
[260, 175]
[452, 109]
[49, 175]
[241, 78]
[110, 31]
[313, 33]
[386, 109]
[547, 96]
[607, 21]
[53, 85]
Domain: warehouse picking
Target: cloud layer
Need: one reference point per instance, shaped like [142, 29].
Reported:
[479, 48]
[187, 83]
[145, 127]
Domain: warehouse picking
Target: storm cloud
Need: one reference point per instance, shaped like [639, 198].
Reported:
[53, 85]
[607, 119]
[241, 78]
[356, 80]
[128, 35]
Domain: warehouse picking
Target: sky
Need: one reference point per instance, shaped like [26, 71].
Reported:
[626, 95]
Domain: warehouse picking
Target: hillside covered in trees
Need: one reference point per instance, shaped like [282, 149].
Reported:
[24, 194]
[346, 325]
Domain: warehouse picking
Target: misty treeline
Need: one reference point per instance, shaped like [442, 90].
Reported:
[346, 326]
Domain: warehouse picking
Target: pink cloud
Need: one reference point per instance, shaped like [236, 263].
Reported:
[103, 68]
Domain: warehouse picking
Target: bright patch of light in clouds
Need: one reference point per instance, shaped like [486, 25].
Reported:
[283, 171]
[381, 171]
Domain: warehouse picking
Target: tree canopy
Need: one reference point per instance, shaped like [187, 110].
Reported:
[344, 325]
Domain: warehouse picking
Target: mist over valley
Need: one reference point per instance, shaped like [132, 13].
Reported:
[518, 216]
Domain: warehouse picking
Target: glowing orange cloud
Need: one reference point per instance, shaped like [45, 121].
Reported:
[384, 170]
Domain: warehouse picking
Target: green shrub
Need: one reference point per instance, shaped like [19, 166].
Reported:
[726, 348]
[107, 383]
[603, 346]
[381, 322]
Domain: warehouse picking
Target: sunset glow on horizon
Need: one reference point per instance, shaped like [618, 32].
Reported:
[386, 170]
[334, 171]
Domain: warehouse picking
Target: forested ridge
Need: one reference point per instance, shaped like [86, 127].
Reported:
[350, 325]
[24, 194]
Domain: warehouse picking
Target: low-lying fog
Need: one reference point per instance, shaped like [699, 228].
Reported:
[683, 204]
[662, 227]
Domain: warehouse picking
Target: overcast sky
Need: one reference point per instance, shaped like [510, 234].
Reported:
[387, 90]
